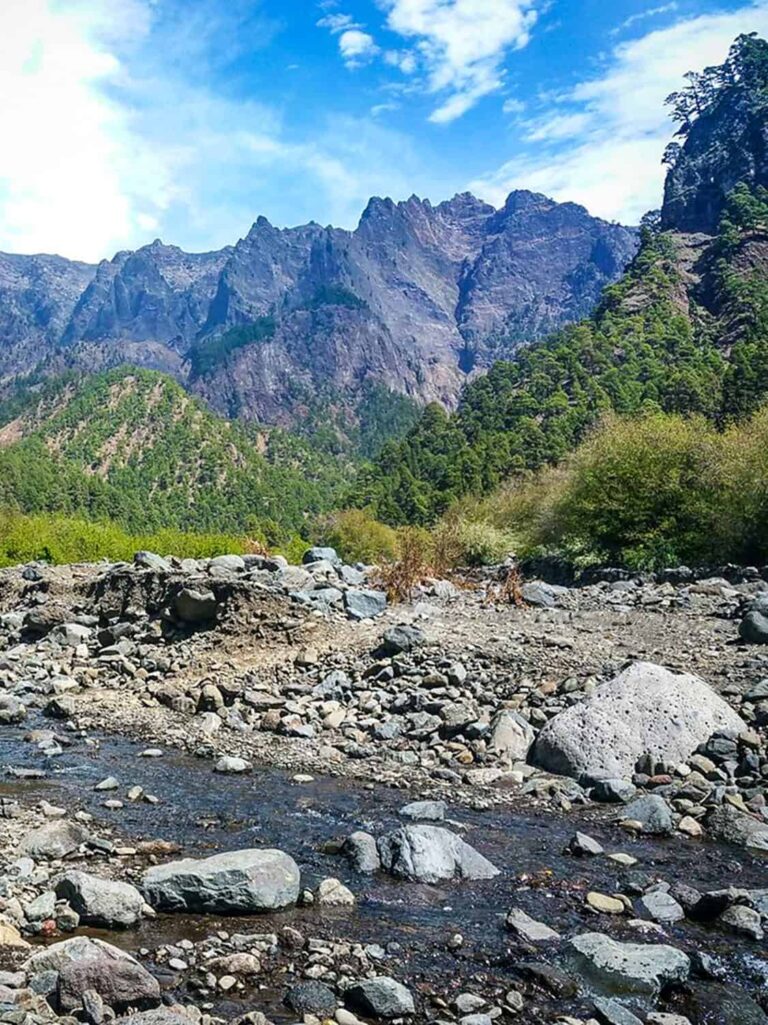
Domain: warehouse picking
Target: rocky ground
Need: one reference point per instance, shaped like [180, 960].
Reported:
[241, 790]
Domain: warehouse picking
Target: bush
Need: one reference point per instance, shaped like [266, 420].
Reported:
[359, 537]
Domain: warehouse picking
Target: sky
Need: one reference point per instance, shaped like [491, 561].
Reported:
[126, 120]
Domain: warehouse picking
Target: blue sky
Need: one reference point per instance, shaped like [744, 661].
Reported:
[186, 119]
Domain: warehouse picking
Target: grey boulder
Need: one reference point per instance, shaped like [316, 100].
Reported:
[653, 814]
[195, 607]
[645, 710]
[511, 736]
[362, 603]
[361, 850]
[100, 902]
[610, 968]
[382, 997]
[736, 827]
[54, 840]
[430, 854]
[236, 882]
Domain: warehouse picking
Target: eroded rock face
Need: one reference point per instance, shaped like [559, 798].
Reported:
[646, 710]
[430, 854]
[236, 882]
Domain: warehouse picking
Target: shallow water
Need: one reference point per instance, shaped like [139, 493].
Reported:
[205, 812]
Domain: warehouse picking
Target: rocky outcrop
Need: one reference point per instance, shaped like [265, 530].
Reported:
[646, 710]
[413, 299]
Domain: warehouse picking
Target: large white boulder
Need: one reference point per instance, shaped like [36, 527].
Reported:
[430, 854]
[646, 709]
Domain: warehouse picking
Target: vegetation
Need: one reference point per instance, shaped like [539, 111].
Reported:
[212, 352]
[57, 539]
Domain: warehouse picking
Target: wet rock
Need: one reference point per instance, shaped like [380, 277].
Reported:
[634, 969]
[646, 710]
[236, 882]
[100, 902]
[528, 929]
[732, 826]
[382, 997]
[361, 850]
[725, 1005]
[658, 906]
[430, 854]
[424, 811]
[311, 997]
[86, 964]
[653, 814]
[54, 840]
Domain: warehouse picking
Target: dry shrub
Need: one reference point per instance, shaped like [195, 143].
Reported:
[401, 577]
[510, 590]
[253, 546]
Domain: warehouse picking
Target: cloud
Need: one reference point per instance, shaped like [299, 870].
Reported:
[355, 46]
[651, 12]
[601, 143]
[460, 45]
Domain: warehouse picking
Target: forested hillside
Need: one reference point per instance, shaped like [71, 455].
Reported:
[684, 331]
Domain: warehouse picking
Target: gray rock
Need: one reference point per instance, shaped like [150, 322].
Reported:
[424, 811]
[430, 854]
[743, 921]
[658, 906]
[159, 1016]
[754, 628]
[382, 997]
[364, 604]
[511, 736]
[646, 710]
[612, 791]
[86, 964]
[236, 882]
[148, 560]
[320, 554]
[402, 638]
[12, 711]
[610, 968]
[736, 827]
[540, 595]
[227, 564]
[195, 607]
[71, 634]
[528, 929]
[652, 812]
[362, 852]
[611, 1012]
[582, 843]
[54, 840]
[100, 902]
[311, 997]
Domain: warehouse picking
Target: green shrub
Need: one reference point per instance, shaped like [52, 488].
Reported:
[358, 537]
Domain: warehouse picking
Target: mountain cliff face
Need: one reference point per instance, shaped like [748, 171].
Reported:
[415, 299]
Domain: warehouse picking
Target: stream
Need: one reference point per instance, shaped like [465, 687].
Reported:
[205, 813]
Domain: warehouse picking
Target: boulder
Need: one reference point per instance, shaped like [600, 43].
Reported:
[423, 811]
[511, 736]
[54, 840]
[430, 854]
[732, 826]
[195, 607]
[754, 628]
[652, 812]
[236, 882]
[311, 997]
[646, 710]
[382, 997]
[12, 711]
[148, 560]
[540, 595]
[362, 603]
[402, 638]
[321, 554]
[610, 968]
[361, 850]
[227, 564]
[100, 902]
[84, 964]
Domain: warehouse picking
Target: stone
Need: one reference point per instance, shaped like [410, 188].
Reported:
[604, 904]
[12, 711]
[743, 921]
[382, 997]
[754, 628]
[235, 882]
[652, 812]
[195, 607]
[362, 603]
[333, 894]
[732, 826]
[611, 1012]
[612, 791]
[311, 997]
[582, 844]
[540, 595]
[86, 964]
[424, 811]
[100, 902]
[159, 1016]
[658, 906]
[611, 968]
[402, 638]
[71, 634]
[430, 854]
[148, 560]
[645, 710]
[11, 937]
[361, 850]
[528, 929]
[227, 564]
[230, 765]
[54, 840]
[321, 554]
[511, 736]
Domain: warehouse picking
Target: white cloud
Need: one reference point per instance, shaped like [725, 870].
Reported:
[601, 144]
[356, 47]
[460, 45]
[651, 12]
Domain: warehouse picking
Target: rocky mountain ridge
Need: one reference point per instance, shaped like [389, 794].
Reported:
[415, 298]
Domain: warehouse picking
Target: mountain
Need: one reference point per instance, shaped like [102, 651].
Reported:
[685, 330]
[416, 298]
[132, 446]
